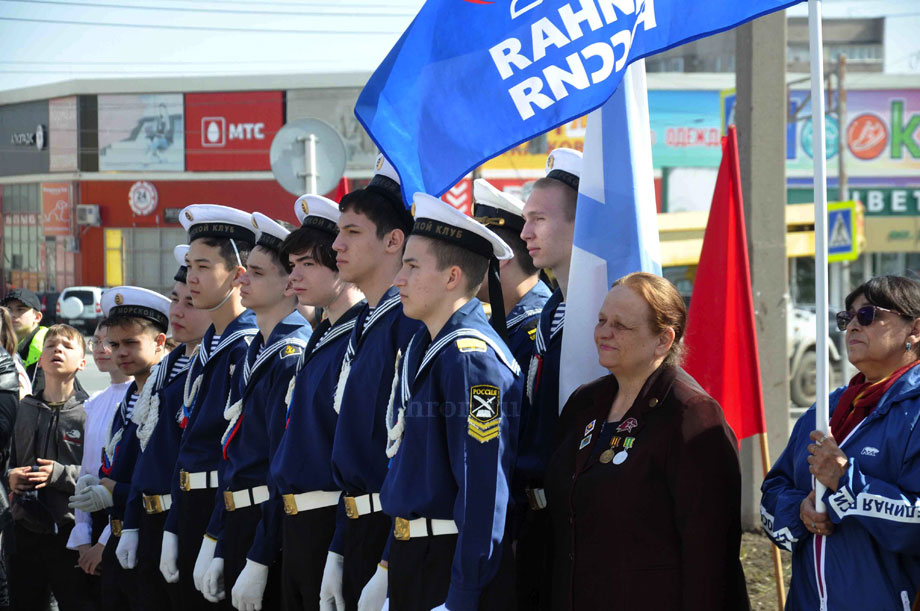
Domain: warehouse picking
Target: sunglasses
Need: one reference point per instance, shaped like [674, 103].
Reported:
[864, 316]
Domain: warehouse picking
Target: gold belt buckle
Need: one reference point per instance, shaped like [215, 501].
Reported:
[184, 482]
[116, 528]
[532, 500]
[351, 508]
[153, 504]
[401, 529]
[228, 501]
[290, 505]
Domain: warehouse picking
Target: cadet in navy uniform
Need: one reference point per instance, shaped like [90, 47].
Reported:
[137, 321]
[373, 226]
[548, 229]
[523, 293]
[244, 519]
[220, 239]
[301, 468]
[158, 434]
[451, 423]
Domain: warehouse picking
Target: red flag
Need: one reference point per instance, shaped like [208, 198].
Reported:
[721, 338]
[341, 189]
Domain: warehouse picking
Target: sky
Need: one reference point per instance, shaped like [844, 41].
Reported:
[43, 41]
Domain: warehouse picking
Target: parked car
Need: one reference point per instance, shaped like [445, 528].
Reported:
[80, 307]
[803, 358]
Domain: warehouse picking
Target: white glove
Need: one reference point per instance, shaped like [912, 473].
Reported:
[169, 557]
[331, 597]
[92, 498]
[205, 556]
[249, 587]
[126, 552]
[212, 584]
[374, 593]
[84, 482]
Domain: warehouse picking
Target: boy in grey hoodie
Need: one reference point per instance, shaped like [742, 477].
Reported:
[45, 457]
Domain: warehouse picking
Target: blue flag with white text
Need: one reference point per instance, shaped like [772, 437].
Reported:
[470, 79]
[616, 221]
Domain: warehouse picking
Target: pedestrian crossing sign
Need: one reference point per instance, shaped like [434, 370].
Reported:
[842, 227]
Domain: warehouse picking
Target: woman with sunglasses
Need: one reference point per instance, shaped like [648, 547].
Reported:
[862, 553]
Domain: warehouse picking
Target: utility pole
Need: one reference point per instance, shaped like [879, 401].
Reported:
[761, 113]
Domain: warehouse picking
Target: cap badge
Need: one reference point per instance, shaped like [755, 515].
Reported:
[379, 162]
[119, 299]
[549, 163]
[254, 223]
[412, 210]
[305, 207]
[188, 215]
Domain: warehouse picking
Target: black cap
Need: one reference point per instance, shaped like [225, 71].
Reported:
[24, 295]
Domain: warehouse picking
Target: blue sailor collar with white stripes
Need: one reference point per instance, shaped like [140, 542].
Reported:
[278, 342]
[243, 326]
[531, 304]
[462, 324]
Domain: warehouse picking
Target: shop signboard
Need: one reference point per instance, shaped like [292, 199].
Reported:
[684, 129]
[63, 134]
[882, 133]
[57, 208]
[877, 201]
[231, 131]
[24, 138]
[141, 132]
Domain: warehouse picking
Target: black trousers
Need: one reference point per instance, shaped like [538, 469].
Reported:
[304, 547]
[534, 562]
[196, 513]
[154, 594]
[39, 565]
[119, 587]
[239, 532]
[419, 575]
[365, 538]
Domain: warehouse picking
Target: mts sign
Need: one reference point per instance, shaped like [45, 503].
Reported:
[216, 132]
[231, 131]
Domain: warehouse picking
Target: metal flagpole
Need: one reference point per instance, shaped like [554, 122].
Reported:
[816, 46]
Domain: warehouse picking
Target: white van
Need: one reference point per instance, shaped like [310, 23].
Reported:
[80, 307]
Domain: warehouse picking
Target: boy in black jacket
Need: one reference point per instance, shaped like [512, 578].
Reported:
[44, 463]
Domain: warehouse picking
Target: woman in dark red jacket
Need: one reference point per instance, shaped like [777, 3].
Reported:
[644, 488]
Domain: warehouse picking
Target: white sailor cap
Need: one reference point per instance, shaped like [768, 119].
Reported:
[269, 233]
[179, 253]
[386, 182]
[564, 165]
[136, 302]
[216, 221]
[318, 212]
[440, 221]
[495, 208]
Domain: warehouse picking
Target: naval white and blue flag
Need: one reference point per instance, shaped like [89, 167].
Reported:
[470, 79]
[616, 222]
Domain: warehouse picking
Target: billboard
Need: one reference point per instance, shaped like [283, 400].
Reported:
[63, 134]
[141, 132]
[57, 208]
[685, 130]
[24, 138]
[882, 134]
[336, 106]
[231, 131]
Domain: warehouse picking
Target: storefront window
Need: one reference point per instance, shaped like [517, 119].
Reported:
[23, 242]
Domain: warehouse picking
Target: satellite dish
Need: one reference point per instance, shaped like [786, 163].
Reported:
[71, 307]
[293, 165]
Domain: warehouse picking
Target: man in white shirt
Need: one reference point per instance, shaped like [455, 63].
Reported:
[100, 409]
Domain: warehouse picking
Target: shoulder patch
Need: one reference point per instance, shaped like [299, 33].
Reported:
[291, 350]
[484, 418]
[532, 334]
[471, 344]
